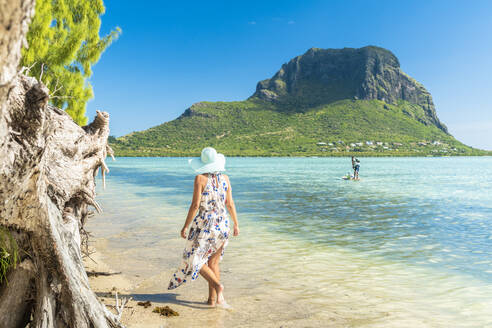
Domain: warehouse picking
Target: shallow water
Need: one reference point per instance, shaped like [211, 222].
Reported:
[408, 245]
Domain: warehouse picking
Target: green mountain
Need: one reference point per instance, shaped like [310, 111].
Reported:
[326, 102]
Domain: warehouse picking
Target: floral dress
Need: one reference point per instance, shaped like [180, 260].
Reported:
[208, 232]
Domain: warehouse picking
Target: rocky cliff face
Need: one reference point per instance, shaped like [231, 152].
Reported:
[322, 76]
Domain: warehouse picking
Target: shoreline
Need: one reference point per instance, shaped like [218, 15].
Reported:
[263, 268]
[249, 309]
[364, 155]
[134, 289]
[189, 301]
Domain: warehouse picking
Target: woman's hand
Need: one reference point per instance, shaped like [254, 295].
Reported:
[183, 232]
[236, 230]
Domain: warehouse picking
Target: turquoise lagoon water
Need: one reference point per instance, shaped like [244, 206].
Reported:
[408, 245]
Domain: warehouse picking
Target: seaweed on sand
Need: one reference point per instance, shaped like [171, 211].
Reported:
[145, 304]
[165, 311]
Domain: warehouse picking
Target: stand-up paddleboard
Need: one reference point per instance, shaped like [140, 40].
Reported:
[350, 178]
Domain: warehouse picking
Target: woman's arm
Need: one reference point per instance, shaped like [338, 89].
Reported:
[231, 207]
[195, 204]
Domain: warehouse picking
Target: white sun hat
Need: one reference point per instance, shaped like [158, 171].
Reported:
[209, 162]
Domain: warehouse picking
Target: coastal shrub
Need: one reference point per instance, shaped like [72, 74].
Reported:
[9, 254]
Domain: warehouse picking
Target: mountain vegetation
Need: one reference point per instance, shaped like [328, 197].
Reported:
[326, 102]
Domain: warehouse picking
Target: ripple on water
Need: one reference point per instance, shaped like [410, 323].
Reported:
[409, 245]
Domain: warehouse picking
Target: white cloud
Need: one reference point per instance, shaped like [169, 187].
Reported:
[252, 23]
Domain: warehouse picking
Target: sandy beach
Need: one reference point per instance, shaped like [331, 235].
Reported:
[256, 301]
[106, 287]
[189, 302]
[134, 315]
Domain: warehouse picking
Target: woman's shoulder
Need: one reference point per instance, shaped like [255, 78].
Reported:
[201, 178]
[226, 178]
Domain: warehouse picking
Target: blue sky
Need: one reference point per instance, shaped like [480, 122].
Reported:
[172, 54]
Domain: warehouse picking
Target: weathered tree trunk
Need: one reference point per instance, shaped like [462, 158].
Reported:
[16, 301]
[15, 16]
[47, 181]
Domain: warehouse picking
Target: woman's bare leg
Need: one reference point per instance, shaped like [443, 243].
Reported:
[213, 264]
[209, 275]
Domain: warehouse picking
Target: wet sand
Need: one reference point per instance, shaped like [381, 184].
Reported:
[189, 301]
[258, 300]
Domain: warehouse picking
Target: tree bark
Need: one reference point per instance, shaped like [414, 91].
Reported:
[15, 16]
[48, 166]
[17, 300]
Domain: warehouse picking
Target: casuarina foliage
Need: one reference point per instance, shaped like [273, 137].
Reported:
[64, 43]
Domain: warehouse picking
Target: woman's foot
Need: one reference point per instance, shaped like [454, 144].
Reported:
[211, 302]
[220, 293]
[224, 305]
[221, 302]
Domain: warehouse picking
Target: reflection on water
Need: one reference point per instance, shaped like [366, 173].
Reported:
[410, 244]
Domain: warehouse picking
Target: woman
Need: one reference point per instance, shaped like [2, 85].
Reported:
[209, 232]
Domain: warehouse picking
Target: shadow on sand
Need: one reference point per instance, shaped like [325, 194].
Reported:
[160, 298]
